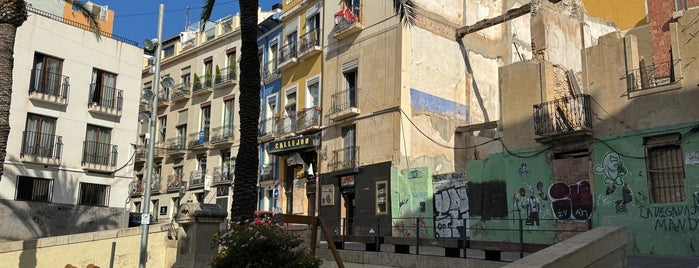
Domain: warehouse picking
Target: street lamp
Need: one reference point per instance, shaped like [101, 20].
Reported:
[152, 96]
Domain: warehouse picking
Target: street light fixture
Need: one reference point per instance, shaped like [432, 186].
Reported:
[151, 96]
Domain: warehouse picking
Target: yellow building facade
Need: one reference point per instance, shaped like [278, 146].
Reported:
[626, 14]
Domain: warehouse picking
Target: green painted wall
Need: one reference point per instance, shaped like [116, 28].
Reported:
[412, 202]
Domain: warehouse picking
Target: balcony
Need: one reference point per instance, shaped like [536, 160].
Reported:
[228, 78]
[344, 105]
[163, 99]
[222, 136]
[97, 156]
[49, 87]
[198, 140]
[41, 148]
[155, 184]
[180, 92]
[176, 146]
[268, 129]
[288, 57]
[347, 23]
[286, 126]
[222, 175]
[196, 179]
[175, 183]
[137, 190]
[309, 45]
[141, 154]
[270, 72]
[144, 106]
[267, 173]
[308, 120]
[105, 100]
[563, 120]
[346, 158]
[651, 77]
[202, 88]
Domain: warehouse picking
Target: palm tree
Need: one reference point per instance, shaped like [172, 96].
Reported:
[247, 160]
[13, 13]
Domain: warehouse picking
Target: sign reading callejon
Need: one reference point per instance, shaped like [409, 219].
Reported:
[293, 144]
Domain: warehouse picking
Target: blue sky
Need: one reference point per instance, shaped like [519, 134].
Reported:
[138, 19]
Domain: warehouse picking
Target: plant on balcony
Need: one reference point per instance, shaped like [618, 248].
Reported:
[197, 82]
[263, 244]
[231, 70]
[207, 77]
[217, 79]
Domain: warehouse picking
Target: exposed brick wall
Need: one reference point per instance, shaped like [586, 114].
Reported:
[660, 16]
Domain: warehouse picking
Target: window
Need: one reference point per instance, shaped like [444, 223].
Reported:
[351, 88]
[97, 148]
[181, 127]
[355, 6]
[39, 138]
[103, 90]
[232, 65]
[272, 58]
[34, 189]
[208, 66]
[46, 75]
[290, 107]
[313, 94]
[201, 160]
[205, 124]
[665, 166]
[228, 118]
[185, 77]
[162, 127]
[137, 206]
[313, 19]
[349, 140]
[169, 50]
[93, 194]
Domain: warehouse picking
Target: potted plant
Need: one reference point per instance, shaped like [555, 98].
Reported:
[231, 70]
[197, 83]
[207, 77]
[217, 79]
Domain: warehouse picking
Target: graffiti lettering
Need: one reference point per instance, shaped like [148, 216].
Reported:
[667, 212]
[677, 219]
[450, 204]
[677, 225]
[571, 201]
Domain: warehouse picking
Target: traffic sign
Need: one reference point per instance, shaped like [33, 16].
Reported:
[276, 193]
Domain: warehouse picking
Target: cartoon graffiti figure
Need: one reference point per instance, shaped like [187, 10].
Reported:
[613, 170]
[531, 204]
[540, 187]
[626, 198]
[523, 169]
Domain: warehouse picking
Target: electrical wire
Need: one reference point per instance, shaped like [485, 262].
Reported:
[169, 11]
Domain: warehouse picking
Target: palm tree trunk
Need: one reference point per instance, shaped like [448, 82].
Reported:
[247, 161]
[12, 14]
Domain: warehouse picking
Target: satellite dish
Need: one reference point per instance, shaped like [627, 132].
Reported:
[168, 82]
[147, 94]
[149, 44]
[143, 117]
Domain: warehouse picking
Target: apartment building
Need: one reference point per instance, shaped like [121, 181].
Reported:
[73, 115]
[297, 139]
[197, 131]
[268, 40]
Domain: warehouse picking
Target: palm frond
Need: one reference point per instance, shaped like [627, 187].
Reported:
[406, 11]
[92, 18]
[206, 13]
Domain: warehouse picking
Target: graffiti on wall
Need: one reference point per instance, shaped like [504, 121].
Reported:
[571, 201]
[450, 204]
[613, 170]
[530, 204]
[411, 202]
[674, 218]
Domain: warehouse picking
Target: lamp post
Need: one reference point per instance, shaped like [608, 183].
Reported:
[145, 217]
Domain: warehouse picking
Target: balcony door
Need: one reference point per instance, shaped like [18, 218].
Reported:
[205, 123]
[39, 135]
[349, 139]
[351, 87]
[97, 145]
[103, 88]
[47, 74]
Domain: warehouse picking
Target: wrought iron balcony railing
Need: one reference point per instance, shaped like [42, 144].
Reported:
[345, 158]
[267, 172]
[174, 183]
[228, 74]
[49, 83]
[288, 53]
[308, 118]
[197, 139]
[176, 143]
[105, 96]
[99, 153]
[222, 174]
[563, 115]
[137, 189]
[268, 127]
[196, 178]
[344, 100]
[286, 125]
[309, 41]
[652, 76]
[270, 70]
[41, 145]
[222, 133]
[347, 21]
